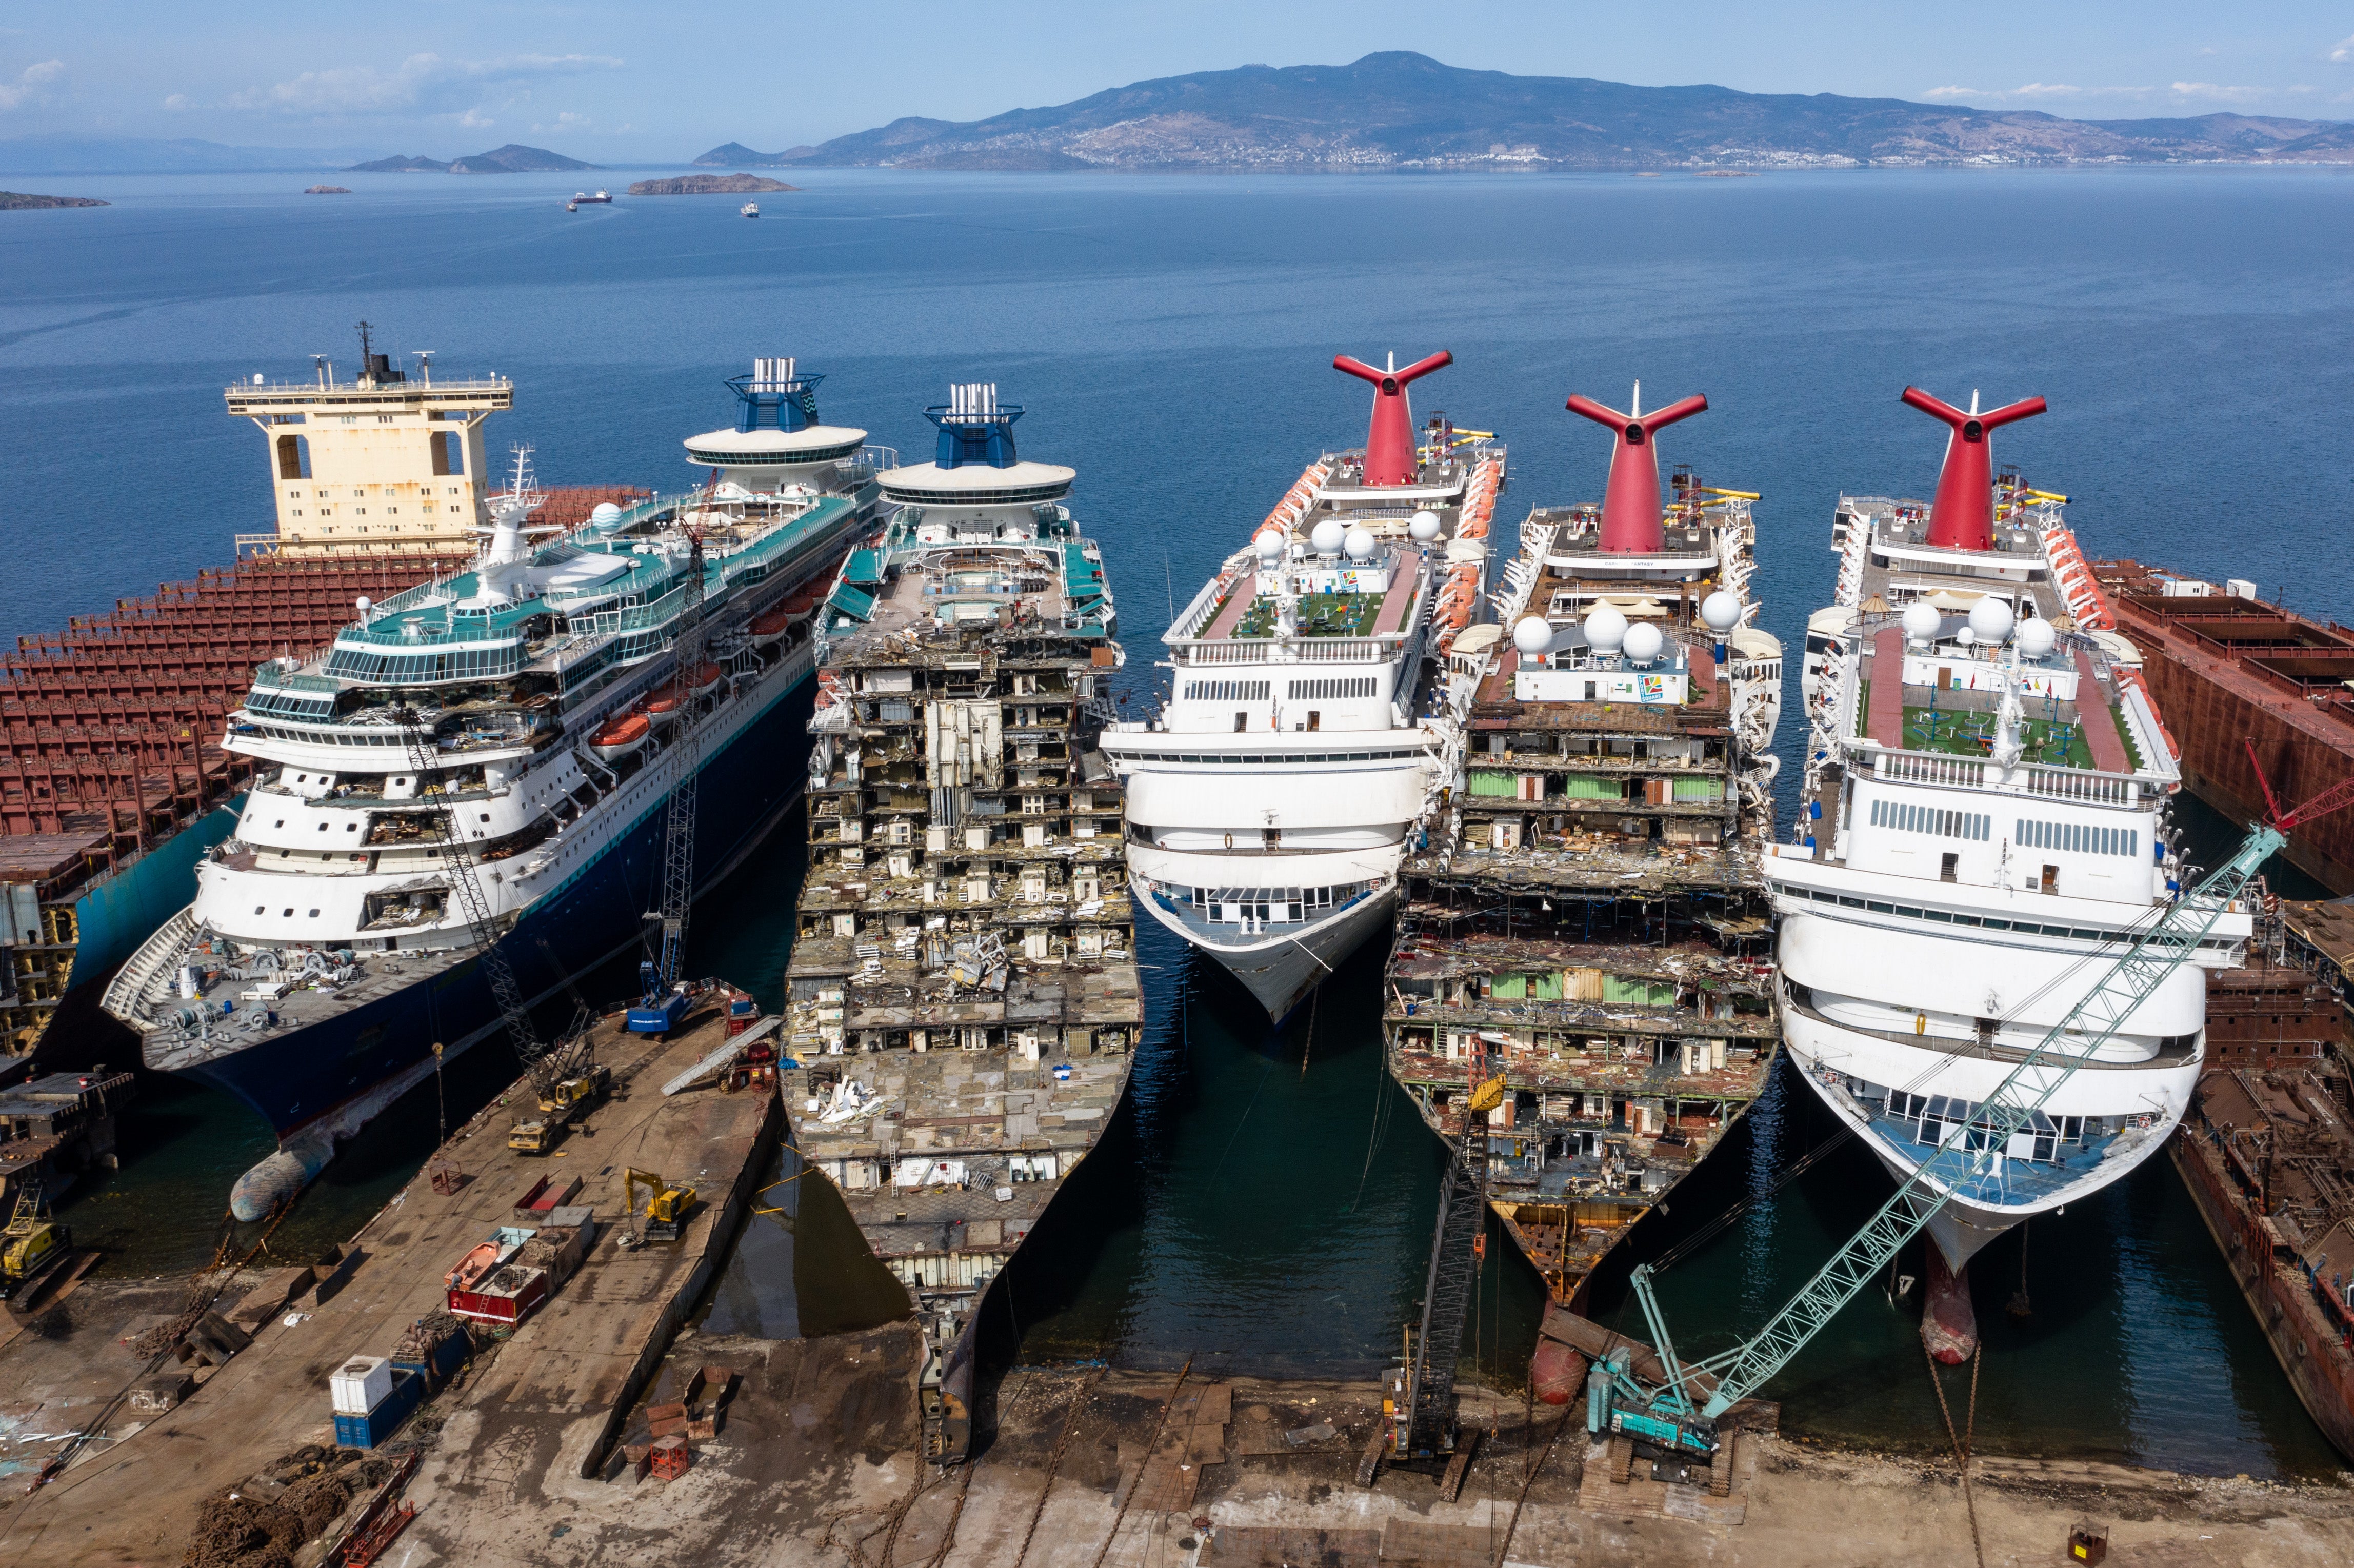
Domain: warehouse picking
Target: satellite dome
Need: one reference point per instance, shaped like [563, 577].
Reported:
[1328, 536]
[1423, 527]
[1269, 544]
[1533, 635]
[604, 513]
[1644, 642]
[366, 604]
[1921, 620]
[2035, 639]
[1360, 545]
[1990, 619]
[1606, 628]
[1720, 612]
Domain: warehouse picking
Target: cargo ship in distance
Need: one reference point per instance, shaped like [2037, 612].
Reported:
[1986, 821]
[325, 953]
[1317, 704]
[1586, 927]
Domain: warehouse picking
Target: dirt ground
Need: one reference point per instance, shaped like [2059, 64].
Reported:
[815, 1464]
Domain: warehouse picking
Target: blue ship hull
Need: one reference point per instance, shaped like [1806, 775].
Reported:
[304, 1077]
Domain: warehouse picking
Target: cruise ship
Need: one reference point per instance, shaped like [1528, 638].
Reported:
[1316, 708]
[1589, 916]
[327, 951]
[1984, 825]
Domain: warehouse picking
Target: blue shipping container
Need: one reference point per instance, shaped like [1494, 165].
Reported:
[370, 1430]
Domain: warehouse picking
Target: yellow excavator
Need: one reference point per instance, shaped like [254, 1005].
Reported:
[666, 1210]
[561, 1105]
[32, 1243]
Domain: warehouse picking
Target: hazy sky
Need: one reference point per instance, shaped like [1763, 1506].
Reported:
[663, 82]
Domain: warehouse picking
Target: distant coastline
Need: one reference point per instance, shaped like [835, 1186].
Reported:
[710, 185]
[16, 201]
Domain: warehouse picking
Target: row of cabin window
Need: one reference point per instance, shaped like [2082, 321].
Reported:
[1906, 818]
[2083, 837]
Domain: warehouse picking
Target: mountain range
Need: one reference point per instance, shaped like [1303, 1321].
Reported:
[512, 159]
[62, 154]
[1405, 112]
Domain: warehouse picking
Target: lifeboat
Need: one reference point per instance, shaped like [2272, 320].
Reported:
[699, 679]
[621, 735]
[664, 705]
[768, 627]
[484, 1260]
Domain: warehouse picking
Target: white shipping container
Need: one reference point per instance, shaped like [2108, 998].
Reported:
[360, 1385]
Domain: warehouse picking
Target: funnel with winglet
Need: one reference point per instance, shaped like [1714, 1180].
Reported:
[1389, 443]
[1962, 515]
[1630, 507]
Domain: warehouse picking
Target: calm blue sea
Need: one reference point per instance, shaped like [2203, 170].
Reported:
[1171, 338]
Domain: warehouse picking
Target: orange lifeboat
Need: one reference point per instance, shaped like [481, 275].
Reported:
[699, 679]
[772, 624]
[621, 735]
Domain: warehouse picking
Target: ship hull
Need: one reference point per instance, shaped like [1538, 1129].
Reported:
[1280, 971]
[330, 1078]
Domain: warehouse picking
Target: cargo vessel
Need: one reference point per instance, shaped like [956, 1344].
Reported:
[532, 698]
[963, 997]
[2228, 668]
[2267, 1150]
[1586, 917]
[1314, 712]
[1987, 803]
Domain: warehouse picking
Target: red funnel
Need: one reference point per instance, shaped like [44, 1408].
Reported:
[1389, 444]
[1630, 507]
[1962, 515]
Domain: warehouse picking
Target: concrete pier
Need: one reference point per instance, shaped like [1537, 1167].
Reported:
[550, 1400]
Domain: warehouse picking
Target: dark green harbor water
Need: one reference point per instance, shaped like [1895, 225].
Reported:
[1265, 1200]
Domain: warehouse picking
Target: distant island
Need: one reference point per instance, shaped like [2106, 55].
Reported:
[710, 185]
[16, 201]
[735, 155]
[1406, 113]
[512, 159]
[327, 190]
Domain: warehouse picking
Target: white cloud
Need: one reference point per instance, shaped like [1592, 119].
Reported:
[2342, 51]
[2035, 92]
[567, 120]
[421, 84]
[2212, 93]
[33, 86]
[176, 102]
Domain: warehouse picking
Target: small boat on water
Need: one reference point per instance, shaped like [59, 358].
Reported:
[601, 197]
[750, 209]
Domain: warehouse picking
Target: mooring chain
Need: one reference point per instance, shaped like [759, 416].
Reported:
[1144, 1465]
[1055, 1460]
[1961, 1455]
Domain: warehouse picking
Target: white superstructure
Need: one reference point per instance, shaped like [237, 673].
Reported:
[1314, 712]
[1984, 823]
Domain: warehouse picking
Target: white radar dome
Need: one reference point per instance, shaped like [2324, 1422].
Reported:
[1533, 635]
[1720, 612]
[1921, 620]
[2035, 639]
[1644, 642]
[1269, 544]
[1423, 528]
[1990, 619]
[366, 604]
[604, 513]
[1328, 536]
[1606, 628]
[1359, 543]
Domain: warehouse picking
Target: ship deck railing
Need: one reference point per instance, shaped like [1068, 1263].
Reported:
[2175, 1052]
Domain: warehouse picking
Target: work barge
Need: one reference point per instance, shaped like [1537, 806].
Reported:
[2266, 1149]
[963, 995]
[1585, 915]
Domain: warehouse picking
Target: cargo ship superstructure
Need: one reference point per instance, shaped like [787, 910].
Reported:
[1587, 917]
[115, 782]
[962, 994]
[1315, 707]
[1986, 804]
[531, 700]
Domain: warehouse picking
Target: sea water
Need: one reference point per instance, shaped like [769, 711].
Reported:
[1265, 1203]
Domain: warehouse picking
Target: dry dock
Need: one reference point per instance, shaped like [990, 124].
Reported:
[544, 1402]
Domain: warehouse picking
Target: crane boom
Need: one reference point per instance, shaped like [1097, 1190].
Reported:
[678, 828]
[2168, 942]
